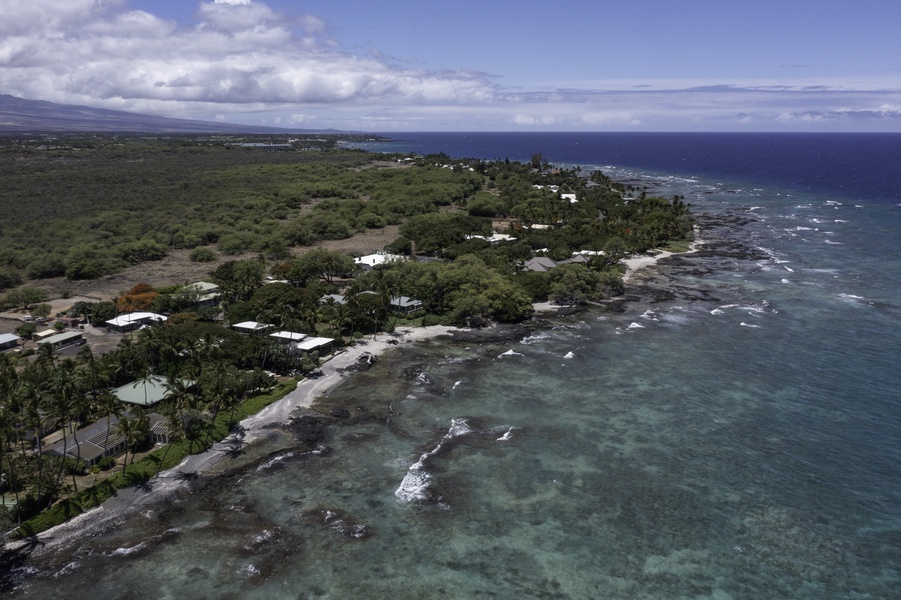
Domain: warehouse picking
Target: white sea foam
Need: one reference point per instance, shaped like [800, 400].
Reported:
[831, 243]
[129, 551]
[783, 280]
[789, 269]
[650, 315]
[716, 311]
[569, 355]
[278, 459]
[456, 383]
[509, 353]
[415, 484]
[743, 324]
[506, 437]
[634, 326]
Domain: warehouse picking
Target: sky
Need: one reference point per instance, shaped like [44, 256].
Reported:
[467, 65]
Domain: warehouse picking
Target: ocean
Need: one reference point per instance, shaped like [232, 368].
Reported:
[733, 433]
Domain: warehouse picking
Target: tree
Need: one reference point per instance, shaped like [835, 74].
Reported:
[320, 263]
[26, 296]
[41, 310]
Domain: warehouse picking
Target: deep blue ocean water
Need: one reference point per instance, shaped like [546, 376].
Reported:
[741, 440]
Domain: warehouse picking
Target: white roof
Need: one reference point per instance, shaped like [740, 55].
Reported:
[372, 260]
[313, 343]
[45, 333]
[130, 318]
[6, 338]
[291, 336]
[251, 325]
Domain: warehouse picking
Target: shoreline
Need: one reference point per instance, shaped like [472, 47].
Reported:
[635, 264]
[255, 427]
[249, 430]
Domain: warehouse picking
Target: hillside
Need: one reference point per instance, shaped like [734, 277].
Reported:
[18, 115]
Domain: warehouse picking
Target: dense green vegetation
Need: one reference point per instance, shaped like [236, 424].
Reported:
[85, 207]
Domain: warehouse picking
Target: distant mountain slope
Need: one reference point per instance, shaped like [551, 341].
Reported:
[18, 115]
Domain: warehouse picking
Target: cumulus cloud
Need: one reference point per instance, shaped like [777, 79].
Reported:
[242, 60]
[240, 54]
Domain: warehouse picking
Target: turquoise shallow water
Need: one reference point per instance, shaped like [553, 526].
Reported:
[736, 443]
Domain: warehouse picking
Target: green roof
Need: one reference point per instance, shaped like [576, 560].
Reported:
[145, 392]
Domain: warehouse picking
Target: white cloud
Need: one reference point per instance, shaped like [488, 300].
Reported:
[242, 60]
[241, 55]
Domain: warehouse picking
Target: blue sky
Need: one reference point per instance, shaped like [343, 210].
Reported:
[574, 65]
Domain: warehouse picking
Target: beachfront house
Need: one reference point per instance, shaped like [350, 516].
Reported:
[100, 439]
[135, 320]
[146, 392]
[404, 305]
[314, 344]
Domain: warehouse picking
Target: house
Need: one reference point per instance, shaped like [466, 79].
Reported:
[9, 340]
[539, 264]
[494, 238]
[251, 328]
[135, 320]
[100, 439]
[569, 197]
[146, 392]
[373, 260]
[63, 340]
[543, 264]
[206, 294]
[91, 443]
[404, 305]
[287, 337]
[43, 335]
[314, 344]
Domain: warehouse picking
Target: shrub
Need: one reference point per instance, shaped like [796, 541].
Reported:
[106, 463]
[203, 254]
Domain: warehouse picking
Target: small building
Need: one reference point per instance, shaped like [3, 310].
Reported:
[206, 294]
[404, 305]
[571, 198]
[373, 260]
[314, 344]
[9, 340]
[287, 337]
[146, 392]
[43, 335]
[135, 320]
[252, 328]
[63, 340]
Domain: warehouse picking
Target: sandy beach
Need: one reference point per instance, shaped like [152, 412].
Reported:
[138, 498]
[641, 262]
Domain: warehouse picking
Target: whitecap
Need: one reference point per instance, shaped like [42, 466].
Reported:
[506, 437]
[716, 311]
[129, 551]
[634, 326]
[456, 383]
[275, 461]
[649, 314]
[831, 243]
[510, 353]
[743, 324]
[789, 269]
[415, 484]
[783, 280]
[569, 355]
